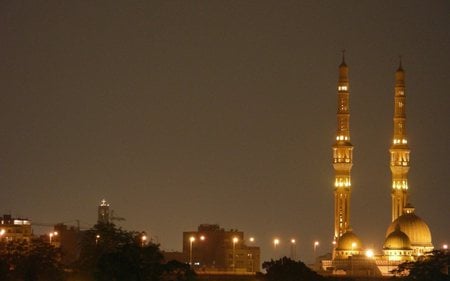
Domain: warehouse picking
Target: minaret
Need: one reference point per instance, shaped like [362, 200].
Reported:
[342, 155]
[399, 148]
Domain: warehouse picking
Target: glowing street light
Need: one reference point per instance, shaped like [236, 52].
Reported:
[97, 237]
[293, 254]
[445, 246]
[369, 253]
[276, 242]
[235, 240]
[351, 261]
[316, 244]
[51, 234]
[191, 240]
[143, 240]
[252, 239]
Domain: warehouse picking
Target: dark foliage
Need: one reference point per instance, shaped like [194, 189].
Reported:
[286, 269]
[30, 262]
[111, 253]
[432, 267]
[177, 271]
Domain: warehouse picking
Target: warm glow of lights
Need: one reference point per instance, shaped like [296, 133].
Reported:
[235, 239]
[316, 243]
[341, 138]
[192, 239]
[400, 141]
[400, 185]
[445, 246]
[340, 182]
[369, 253]
[342, 88]
[276, 241]
[353, 245]
[144, 238]
[2, 232]
[293, 241]
[202, 238]
[252, 239]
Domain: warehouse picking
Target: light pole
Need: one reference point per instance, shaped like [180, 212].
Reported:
[191, 240]
[276, 242]
[51, 234]
[316, 244]
[293, 254]
[351, 261]
[143, 240]
[235, 240]
[252, 239]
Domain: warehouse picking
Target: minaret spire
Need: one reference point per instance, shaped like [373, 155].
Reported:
[342, 155]
[343, 57]
[399, 150]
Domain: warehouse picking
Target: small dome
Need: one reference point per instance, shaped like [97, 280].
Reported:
[397, 240]
[349, 242]
[414, 227]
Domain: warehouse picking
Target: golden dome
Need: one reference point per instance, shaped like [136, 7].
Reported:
[414, 227]
[397, 240]
[349, 242]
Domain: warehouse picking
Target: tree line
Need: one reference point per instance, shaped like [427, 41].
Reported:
[110, 253]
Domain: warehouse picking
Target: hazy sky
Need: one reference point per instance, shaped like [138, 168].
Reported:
[188, 112]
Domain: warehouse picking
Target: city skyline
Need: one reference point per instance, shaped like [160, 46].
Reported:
[180, 114]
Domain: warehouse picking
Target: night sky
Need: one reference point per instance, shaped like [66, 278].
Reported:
[187, 112]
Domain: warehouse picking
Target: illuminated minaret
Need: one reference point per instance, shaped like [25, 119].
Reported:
[399, 148]
[342, 155]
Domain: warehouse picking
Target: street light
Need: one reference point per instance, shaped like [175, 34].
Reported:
[445, 246]
[316, 244]
[293, 256]
[351, 261]
[51, 234]
[97, 237]
[143, 240]
[191, 240]
[235, 240]
[276, 241]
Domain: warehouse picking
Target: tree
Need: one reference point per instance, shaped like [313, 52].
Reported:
[286, 269]
[175, 270]
[432, 267]
[32, 261]
[111, 253]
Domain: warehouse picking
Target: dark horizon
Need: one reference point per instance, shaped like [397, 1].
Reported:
[180, 114]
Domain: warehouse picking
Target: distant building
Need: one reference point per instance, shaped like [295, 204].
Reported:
[68, 239]
[15, 229]
[103, 212]
[211, 248]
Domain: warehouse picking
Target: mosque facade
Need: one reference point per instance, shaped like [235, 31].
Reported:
[407, 237]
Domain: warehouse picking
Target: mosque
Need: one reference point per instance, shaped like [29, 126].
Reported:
[408, 236]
